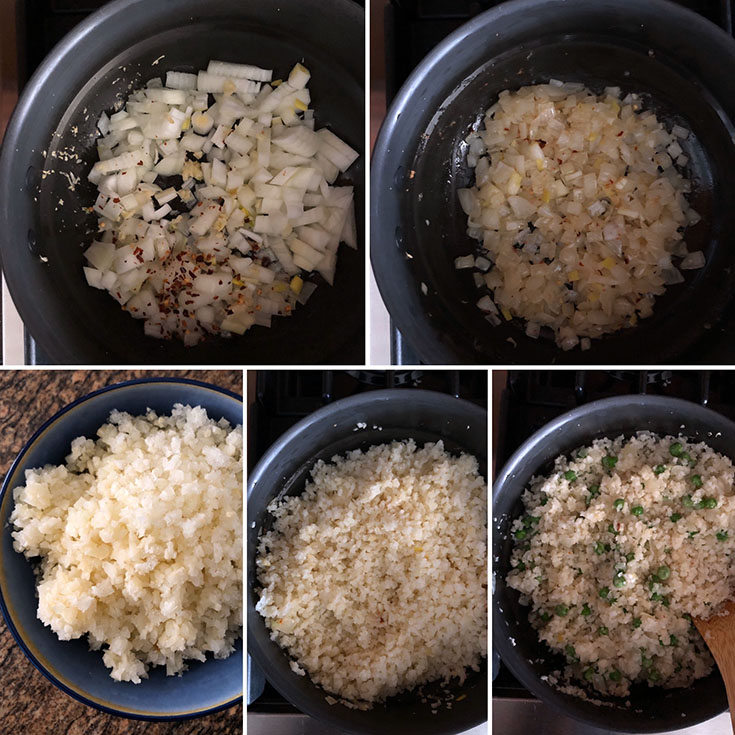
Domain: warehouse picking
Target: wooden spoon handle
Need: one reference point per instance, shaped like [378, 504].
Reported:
[719, 634]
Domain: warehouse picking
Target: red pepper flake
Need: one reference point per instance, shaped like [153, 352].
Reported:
[541, 144]
[116, 200]
[620, 133]
[140, 163]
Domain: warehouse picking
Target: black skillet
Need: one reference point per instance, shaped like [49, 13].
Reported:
[387, 414]
[653, 709]
[679, 61]
[43, 230]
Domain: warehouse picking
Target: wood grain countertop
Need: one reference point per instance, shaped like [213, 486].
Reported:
[29, 703]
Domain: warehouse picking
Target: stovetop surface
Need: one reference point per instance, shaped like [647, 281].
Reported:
[415, 27]
[284, 397]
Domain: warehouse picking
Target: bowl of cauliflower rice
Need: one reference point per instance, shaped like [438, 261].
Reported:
[612, 530]
[121, 550]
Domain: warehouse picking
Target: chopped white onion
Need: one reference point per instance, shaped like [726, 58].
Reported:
[256, 208]
[578, 208]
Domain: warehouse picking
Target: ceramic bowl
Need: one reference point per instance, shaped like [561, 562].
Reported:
[204, 687]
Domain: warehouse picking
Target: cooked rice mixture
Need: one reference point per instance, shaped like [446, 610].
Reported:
[139, 536]
[618, 549]
[374, 579]
[579, 205]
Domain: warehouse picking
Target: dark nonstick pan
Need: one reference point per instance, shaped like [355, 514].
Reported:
[680, 63]
[43, 230]
[388, 414]
[652, 709]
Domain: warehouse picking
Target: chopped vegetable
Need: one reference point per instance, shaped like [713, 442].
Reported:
[562, 204]
[609, 462]
[256, 209]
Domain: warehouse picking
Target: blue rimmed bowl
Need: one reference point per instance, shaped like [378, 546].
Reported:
[204, 687]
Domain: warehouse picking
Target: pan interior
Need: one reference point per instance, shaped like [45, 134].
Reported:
[81, 323]
[436, 232]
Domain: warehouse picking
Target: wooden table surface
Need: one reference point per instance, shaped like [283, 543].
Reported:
[29, 703]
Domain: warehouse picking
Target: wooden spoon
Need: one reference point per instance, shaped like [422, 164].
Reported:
[718, 632]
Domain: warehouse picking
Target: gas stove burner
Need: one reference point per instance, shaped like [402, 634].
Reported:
[652, 377]
[386, 378]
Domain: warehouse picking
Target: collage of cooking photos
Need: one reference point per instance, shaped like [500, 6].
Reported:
[368, 368]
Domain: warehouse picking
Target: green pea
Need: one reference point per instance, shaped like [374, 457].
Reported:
[611, 529]
[656, 597]
[636, 622]
[545, 500]
[561, 610]
[570, 475]
[710, 503]
[615, 675]
[659, 469]
[619, 580]
[663, 573]
[602, 630]
[618, 503]
[692, 534]
[609, 462]
[687, 501]
[673, 640]
[653, 675]
[676, 449]
[697, 481]
[521, 567]
[589, 673]
[599, 548]
[545, 617]
[604, 592]
[722, 535]
[571, 653]
[687, 459]
[637, 510]
[674, 517]
[629, 556]
[520, 534]
[586, 610]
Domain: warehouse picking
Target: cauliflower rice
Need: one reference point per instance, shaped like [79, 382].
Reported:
[139, 536]
[619, 548]
[374, 579]
[579, 203]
